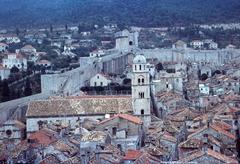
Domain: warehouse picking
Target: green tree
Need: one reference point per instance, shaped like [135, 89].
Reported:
[66, 27]
[51, 28]
[14, 69]
[27, 89]
[5, 91]
[159, 67]
[17, 31]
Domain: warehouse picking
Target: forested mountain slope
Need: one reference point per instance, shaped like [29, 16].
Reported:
[147, 13]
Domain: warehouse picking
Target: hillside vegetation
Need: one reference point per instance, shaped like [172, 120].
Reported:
[145, 13]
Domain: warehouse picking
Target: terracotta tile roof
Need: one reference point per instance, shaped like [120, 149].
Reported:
[221, 157]
[213, 140]
[50, 159]
[22, 146]
[132, 154]
[19, 56]
[128, 117]
[168, 96]
[104, 75]
[73, 160]
[43, 62]
[222, 131]
[94, 136]
[191, 143]
[64, 147]
[218, 129]
[184, 114]
[113, 159]
[42, 137]
[155, 150]
[28, 47]
[3, 151]
[223, 125]
[224, 108]
[170, 127]
[168, 137]
[146, 158]
[83, 105]
[3, 44]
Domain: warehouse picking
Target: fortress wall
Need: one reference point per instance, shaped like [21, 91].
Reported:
[78, 78]
[52, 82]
[10, 107]
[217, 57]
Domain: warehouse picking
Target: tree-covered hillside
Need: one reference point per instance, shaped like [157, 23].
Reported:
[150, 13]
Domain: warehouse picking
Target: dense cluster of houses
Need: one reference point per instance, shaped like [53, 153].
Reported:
[176, 126]
[178, 111]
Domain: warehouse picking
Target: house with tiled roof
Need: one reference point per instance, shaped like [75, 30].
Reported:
[100, 79]
[208, 156]
[216, 137]
[50, 159]
[22, 153]
[71, 109]
[28, 49]
[126, 130]
[14, 59]
[139, 157]
[170, 144]
[179, 45]
[10, 38]
[92, 139]
[4, 72]
[3, 47]
[43, 137]
[169, 101]
[45, 63]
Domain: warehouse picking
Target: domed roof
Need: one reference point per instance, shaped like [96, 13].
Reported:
[139, 59]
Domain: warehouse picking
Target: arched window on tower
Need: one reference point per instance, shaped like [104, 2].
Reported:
[140, 67]
[135, 67]
[142, 80]
[139, 80]
[142, 111]
[141, 95]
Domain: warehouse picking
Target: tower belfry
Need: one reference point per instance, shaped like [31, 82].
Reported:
[141, 89]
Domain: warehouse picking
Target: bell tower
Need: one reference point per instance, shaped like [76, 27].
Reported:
[141, 89]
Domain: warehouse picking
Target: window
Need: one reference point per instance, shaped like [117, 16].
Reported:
[135, 67]
[143, 80]
[95, 83]
[98, 77]
[141, 95]
[130, 43]
[142, 111]
[140, 67]
[101, 83]
[8, 133]
[139, 80]
[166, 85]
[205, 135]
